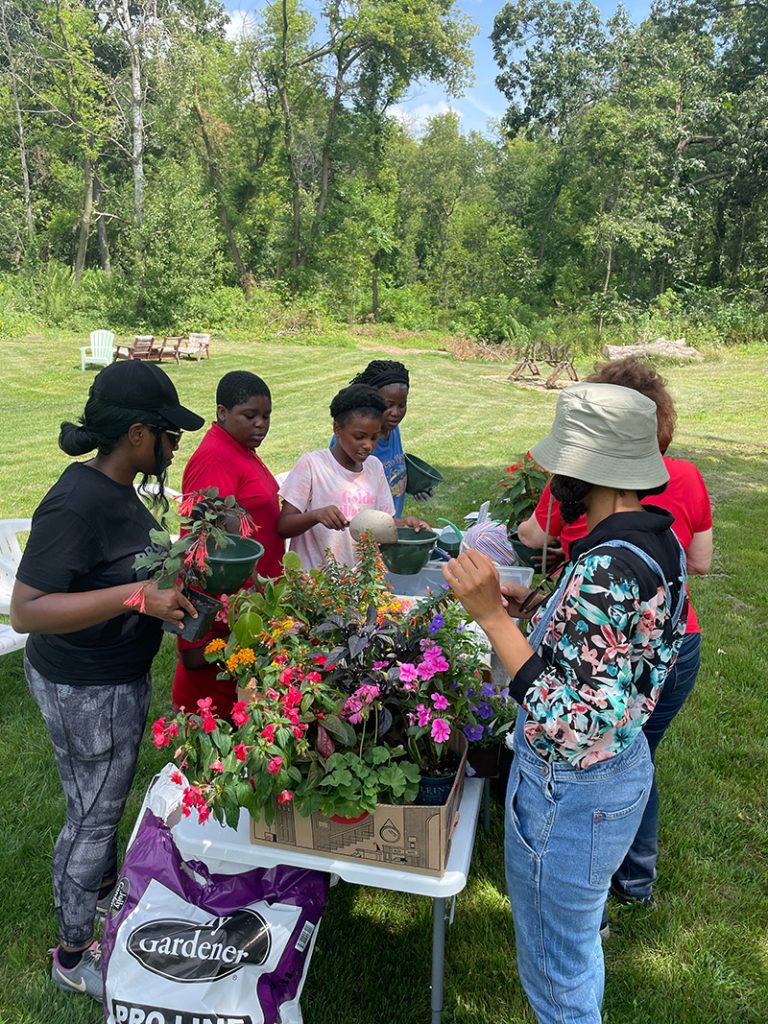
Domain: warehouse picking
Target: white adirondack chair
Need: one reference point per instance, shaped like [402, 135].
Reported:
[10, 556]
[100, 352]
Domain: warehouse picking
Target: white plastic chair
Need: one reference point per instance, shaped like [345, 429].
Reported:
[10, 640]
[196, 346]
[10, 556]
[100, 352]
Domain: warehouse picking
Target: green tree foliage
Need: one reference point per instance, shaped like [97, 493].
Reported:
[625, 189]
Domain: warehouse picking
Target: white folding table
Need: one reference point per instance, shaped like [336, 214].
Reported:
[225, 850]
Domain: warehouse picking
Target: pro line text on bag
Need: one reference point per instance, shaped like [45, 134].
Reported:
[135, 1013]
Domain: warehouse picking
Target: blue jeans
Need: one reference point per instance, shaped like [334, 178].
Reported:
[567, 831]
[636, 876]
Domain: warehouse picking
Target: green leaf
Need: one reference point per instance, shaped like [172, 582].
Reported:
[291, 560]
[340, 730]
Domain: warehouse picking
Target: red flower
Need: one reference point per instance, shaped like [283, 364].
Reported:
[298, 731]
[286, 676]
[203, 813]
[187, 502]
[240, 713]
[320, 659]
[209, 722]
[268, 733]
[173, 729]
[206, 704]
[177, 777]
[285, 797]
[217, 766]
[274, 765]
[241, 752]
[159, 736]
[314, 678]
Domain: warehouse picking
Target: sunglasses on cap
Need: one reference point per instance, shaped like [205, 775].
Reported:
[173, 435]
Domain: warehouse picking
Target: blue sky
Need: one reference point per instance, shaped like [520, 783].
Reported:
[482, 103]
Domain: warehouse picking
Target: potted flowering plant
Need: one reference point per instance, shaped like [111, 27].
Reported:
[214, 554]
[519, 491]
[335, 677]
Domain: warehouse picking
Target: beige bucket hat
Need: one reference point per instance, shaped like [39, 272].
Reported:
[604, 434]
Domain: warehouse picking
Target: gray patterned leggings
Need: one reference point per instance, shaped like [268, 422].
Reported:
[96, 732]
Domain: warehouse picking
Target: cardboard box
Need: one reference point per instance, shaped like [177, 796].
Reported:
[407, 837]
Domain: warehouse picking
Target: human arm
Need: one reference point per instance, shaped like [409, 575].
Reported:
[294, 522]
[35, 611]
[530, 533]
[474, 580]
[698, 554]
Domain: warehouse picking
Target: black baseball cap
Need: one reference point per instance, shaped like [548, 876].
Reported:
[135, 384]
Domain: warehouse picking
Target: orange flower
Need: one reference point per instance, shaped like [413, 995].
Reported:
[215, 645]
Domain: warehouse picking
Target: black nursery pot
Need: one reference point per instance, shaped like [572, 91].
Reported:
[207, 608]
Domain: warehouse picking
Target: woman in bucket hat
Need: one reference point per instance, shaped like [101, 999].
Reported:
[93, 632]
[587, 677]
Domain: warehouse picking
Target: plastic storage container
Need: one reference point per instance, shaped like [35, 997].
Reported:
[430, 579]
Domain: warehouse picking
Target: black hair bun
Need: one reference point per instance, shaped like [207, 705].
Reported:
[357, 398]
[76, 440]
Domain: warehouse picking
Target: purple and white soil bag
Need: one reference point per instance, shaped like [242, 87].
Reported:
[184, 946]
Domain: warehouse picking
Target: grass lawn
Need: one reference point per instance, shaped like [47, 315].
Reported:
[700, 955]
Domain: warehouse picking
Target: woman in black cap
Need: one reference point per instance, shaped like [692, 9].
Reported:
[89, 652]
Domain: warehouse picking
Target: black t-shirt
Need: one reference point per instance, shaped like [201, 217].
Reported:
[85, 535]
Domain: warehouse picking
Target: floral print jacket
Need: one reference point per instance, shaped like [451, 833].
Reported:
[608, 648]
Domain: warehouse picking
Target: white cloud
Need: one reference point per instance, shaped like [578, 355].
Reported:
[416, 117]
[241, 23]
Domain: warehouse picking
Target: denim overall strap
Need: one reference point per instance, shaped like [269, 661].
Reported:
[655, 567]
[537, 633]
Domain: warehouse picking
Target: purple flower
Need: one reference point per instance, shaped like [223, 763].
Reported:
[484, 710]
[488, 690]
[437, 623]
[461, 627]
[473, 732]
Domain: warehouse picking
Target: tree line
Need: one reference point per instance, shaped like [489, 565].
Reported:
[176, 172]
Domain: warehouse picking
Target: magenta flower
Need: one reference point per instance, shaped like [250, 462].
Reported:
[440, 730]
[408, 673]
[379, 665]
[423, 715]
[440, 701]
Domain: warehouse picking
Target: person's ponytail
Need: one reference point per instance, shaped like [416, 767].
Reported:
[77, 440]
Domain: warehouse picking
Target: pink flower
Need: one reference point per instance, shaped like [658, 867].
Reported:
[203, 813]
[206, 704]
[410, 687]
[285, 797]
[379, 665]
[241, 752]
[268, 733]
[440, 730]
[274, 765]
[240, 713]
[178, 778]
[314, 678]
[271, 693]
[209, 722]
[172, 730]
[217, 766]
[440, 701]
[408, 672]
[423, 715]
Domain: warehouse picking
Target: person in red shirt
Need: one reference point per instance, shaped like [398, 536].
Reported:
[686, 497]
[227, 459]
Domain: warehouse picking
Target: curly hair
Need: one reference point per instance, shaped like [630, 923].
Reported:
[357, 398]
[237, 386]
[641, 376]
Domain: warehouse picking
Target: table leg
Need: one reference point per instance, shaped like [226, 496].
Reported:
[487, 805]
[438, 957]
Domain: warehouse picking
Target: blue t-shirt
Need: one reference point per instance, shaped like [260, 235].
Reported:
[389, 452]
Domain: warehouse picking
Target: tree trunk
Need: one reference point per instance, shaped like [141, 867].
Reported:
[293, 176]
[375, 288]
[548, 222]
[19, 131]
[608, 268]
[101, 226]
[85, 219]
[132, 36]
[242, 272]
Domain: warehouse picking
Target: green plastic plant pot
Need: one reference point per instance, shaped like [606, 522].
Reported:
[411, 553]
[232, 566]
[450, 542]
[420, 475]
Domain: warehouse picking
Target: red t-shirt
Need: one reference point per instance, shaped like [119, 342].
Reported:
[685, 496]
[222, 462]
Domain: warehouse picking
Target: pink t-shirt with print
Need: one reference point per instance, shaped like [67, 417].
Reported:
[318, 480]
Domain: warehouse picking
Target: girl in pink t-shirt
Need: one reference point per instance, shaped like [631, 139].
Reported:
[328, 487]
